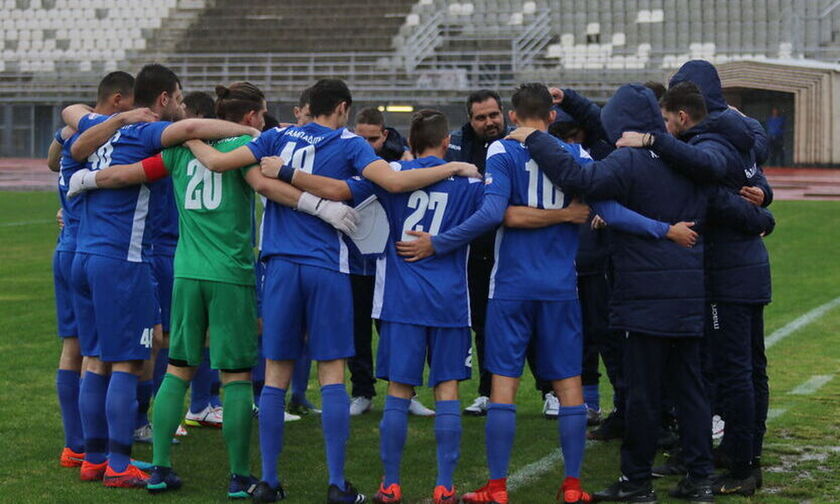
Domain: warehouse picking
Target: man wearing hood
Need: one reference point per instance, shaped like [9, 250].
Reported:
[737, 265]
[659, 294]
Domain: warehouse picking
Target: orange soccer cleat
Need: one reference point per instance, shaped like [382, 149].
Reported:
[130, 478]
[390, 495]
[92, 472]
[445, 495]
[572, 493]
[494, 492]
[69, 458]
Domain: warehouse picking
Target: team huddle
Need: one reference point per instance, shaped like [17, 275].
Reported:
[631, 233]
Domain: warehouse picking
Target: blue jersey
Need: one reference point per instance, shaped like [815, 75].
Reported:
[115, 221]
[531, 264]
[71, 209]
[164, 218]
[299, 237]
[431, 292]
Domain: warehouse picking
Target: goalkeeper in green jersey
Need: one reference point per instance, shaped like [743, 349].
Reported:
[214, 277]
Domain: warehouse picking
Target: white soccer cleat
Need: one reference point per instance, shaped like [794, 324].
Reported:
[360, 405]
[416, 408]
[551, 408]
[208, 417]
[717, 427]
[143, 434]
[288, 417]
[478, 407]
[181, 431]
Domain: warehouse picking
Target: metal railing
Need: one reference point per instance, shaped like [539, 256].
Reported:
[532, 42]
[422, 42]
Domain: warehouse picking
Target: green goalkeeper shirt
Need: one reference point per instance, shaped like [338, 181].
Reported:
[215, 215]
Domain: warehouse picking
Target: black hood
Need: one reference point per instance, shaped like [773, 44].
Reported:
[632, 108]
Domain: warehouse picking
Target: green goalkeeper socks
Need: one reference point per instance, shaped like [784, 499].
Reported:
[236, 428]
[169, 408]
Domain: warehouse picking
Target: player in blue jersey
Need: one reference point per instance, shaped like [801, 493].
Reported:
[533, 299]
[111, 271]
[115, 94]
[306, 281]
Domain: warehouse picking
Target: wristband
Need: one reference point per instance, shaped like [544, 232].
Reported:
[286, 173]
[58, 137]
[153, 168]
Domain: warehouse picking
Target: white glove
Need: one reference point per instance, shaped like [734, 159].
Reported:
[337, 215]
[81, 181]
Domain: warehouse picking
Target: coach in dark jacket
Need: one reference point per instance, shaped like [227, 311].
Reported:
[659, 292]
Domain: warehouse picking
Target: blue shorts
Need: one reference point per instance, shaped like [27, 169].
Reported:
[114, 307]
[552, 329]
[65, 315]
[404, 350]
[163, 278]
[306, 303]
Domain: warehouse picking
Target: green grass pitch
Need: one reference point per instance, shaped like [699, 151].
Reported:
[802, 457]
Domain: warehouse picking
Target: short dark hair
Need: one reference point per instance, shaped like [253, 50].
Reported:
[370, 115]
[233, 102]
[482, 95]
[325, 96]
[685, 96]
[657, 87]
[271, 122]
[428, 129]
[532, 101]
[200, 104]
[305, 97]
[113, 83]
[153, 80]
[564, 130]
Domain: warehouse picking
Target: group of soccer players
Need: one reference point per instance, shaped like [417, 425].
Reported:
[156, 252]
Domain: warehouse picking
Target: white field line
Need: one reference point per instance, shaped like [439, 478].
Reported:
[26, 223]
[774, 413]
[800, 322]
[812, 385]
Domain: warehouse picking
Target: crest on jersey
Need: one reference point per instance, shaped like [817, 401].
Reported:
[751, 171]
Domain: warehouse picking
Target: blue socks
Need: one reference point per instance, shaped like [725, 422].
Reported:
[448, 436]
[393, 429]
[592, 397]
[161, 363]
[300, 378]
[572, 426]
[215, 386]
[500, 429]
[67, 386]
[144, 397]
[335, 420]
[201, 384]
[121, 412]
[92, 393]
[272, 408]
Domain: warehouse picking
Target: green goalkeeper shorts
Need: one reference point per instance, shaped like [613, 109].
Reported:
[224, 314]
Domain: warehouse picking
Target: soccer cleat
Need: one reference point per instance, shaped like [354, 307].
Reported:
[130, 478]
[624, 490]
[390, 495]
[611, 428]
[349, 495]
[718, 426]
[551, 407]
[208, 417]
[241, 487]
[593, 416]
[145, 435]
[263, 492]
[288, 417]
[478, 407]
[694, 491]
[673, 466]
[69, 458]
[181, 432]
[92, 472]
[445, 495]
[727, 484]
[416, 408]
[758, 475]
[302, 407]
[162, 479]
[360, 405]
[571, 492]
[488, 494]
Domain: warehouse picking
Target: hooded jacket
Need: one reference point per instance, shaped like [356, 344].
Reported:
[394, 147]
[659, 286]
[737, 264]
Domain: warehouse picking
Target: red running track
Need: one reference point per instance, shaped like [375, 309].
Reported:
[788, 183]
